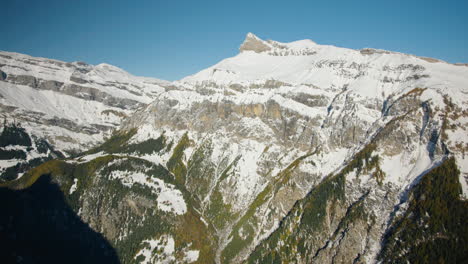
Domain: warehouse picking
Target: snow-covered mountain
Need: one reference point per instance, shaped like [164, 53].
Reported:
[72, 105]
[287, 152]
[69, 106]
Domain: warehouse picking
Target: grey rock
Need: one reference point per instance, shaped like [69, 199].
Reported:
[50, 85]
[77, 79]
[27, 80]
[87, 93]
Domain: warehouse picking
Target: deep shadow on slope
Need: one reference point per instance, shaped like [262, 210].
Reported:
[37, 226]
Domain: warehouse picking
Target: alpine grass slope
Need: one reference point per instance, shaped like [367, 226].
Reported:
[285, 153]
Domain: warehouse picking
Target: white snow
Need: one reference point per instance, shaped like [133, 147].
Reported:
[341, 77]
[169, 198]
[334, 67]
[324, 163]
[74, 186]
[462, 162]
[87, 158]
[36, 106]
[403, 168]
[31, 153]
[98, 76]
[191, 256]
[145, 132]
[395, 167]
[162, 250]
[158, 250]
[8, 163]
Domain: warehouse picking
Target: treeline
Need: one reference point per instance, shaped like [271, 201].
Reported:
[434, 228]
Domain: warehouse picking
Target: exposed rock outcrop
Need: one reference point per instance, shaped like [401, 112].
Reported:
[253, 43]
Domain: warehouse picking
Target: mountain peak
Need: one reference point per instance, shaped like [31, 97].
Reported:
[251, 35]
[110, 68]
[254, 43]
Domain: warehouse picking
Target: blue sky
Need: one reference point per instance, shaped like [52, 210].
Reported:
[175, 38]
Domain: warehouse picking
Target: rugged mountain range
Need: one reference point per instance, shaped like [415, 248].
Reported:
[72, 105]
[285, 153]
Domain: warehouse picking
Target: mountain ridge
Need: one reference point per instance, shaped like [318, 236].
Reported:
[299, 155]
[310, 43]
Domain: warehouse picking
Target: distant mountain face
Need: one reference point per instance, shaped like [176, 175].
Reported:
[288, 152]
[72, 105]
[69, 106]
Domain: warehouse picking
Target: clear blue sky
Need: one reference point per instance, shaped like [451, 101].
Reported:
[174, 38]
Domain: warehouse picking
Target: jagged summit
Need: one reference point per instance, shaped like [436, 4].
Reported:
[252, 35]
[368, 72]
[256, 44]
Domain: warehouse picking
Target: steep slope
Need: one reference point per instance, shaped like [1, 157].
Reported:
[433, 228]
[287, 152]
[68, 106]
[20, 152]
[137, 205]
[72, 105]
[268, 125]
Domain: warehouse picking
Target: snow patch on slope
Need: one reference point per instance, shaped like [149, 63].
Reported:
[74, 186]
[169, 198]
[157, 250]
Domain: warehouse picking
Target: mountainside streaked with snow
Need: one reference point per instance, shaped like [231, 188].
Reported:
[73, 105]
[285, 153]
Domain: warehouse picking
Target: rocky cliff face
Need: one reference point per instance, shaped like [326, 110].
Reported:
[20, 152]
[288, 152]
[72, 105]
